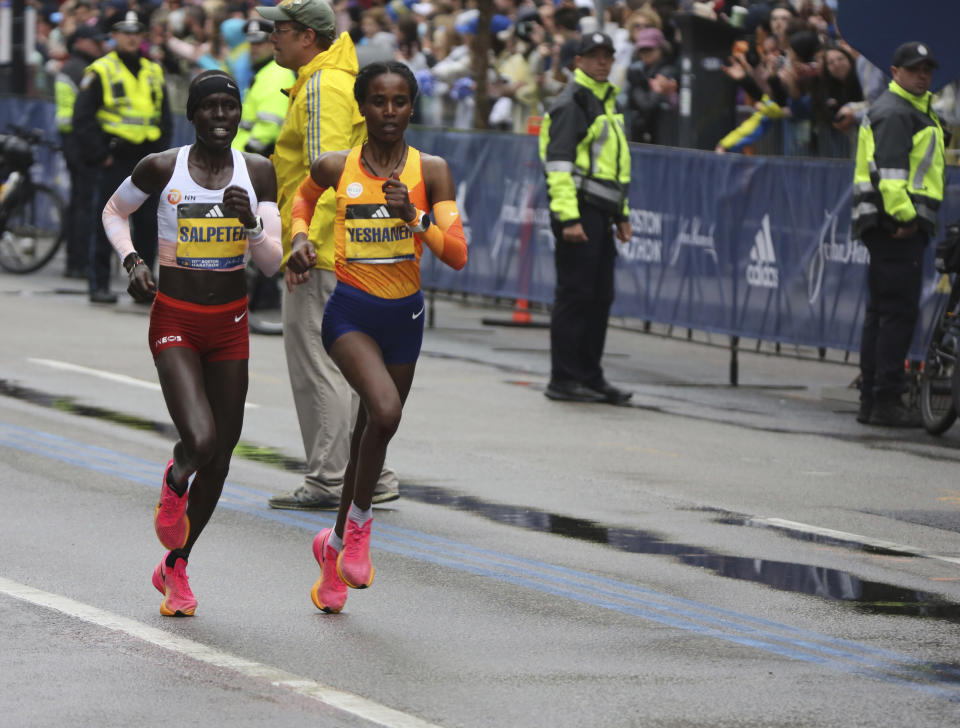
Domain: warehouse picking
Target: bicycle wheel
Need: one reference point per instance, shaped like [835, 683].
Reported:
[954, 383]
[34, 231]
[937, 382]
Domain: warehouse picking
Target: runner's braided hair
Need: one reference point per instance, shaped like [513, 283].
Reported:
[371, 71]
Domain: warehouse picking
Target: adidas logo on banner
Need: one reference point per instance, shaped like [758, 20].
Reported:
[762, 270]
[215, 211]
[381, 212]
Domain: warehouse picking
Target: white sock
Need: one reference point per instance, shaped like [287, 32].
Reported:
[359, 516]
[334, 541]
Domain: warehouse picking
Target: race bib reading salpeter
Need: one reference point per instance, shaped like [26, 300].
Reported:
[207, 238]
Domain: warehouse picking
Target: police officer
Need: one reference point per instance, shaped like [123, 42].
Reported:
[265, 105]
[85, 46]
[587, 164]
[121, 115]
[898, 187]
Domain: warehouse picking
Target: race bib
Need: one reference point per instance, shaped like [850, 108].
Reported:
[207, 238]
[373, 235]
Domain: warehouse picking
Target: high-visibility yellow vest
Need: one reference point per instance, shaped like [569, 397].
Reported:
[264, 109]
[899, 174]
[131, 105]
[584, 150]
[65, 96]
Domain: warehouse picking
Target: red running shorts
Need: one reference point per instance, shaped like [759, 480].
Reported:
[216, 333]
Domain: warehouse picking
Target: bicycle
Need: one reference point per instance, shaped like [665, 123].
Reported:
[940, 373]
[31, 213]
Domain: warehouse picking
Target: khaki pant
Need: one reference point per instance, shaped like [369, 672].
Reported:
[326, 404]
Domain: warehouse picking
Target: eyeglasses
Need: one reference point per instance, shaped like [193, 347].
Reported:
[281, 31]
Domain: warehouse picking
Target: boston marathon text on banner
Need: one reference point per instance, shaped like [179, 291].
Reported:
[753, 247]
[747, 246]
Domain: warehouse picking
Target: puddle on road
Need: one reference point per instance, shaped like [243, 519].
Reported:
[47, 292]
[245, 450]
[71, 406]
[866, 596]
[729, 518]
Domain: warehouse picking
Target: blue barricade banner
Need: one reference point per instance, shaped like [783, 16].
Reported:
[746, 246]
[756, 247]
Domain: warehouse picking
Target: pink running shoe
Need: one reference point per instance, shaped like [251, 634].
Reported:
[353, 564]
[170, 519]
[178, 600]
[329, 594]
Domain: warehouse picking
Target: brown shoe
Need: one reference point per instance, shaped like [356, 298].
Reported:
[307, 499]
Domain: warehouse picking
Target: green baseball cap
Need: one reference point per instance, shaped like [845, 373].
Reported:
[315, 14]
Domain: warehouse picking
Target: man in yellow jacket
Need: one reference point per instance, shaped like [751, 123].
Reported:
[323, 116]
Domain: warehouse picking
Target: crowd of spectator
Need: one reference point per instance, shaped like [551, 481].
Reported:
[791, 68]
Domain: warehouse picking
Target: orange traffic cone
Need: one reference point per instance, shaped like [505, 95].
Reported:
[520, 317]
[521, 312]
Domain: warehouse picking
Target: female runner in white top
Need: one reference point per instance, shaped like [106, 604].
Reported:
[199, 333]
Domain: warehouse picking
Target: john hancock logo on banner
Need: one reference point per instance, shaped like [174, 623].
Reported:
[848, 252]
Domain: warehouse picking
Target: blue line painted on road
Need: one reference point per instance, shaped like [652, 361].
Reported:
[597, 591]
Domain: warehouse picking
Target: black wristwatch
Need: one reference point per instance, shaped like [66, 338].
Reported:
[137, 260]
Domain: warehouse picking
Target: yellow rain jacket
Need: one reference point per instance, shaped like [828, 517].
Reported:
[323, 117]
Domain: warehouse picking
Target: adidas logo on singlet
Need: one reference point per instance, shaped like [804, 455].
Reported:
[381, 212]
[215, 211]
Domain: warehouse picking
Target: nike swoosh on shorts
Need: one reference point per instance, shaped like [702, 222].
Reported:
[238, 319]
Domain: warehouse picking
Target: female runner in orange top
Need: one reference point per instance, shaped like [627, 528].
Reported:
[373, 322]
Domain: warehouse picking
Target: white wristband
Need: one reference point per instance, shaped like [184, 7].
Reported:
[255, 231]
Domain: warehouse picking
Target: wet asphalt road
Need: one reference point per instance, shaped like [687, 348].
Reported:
[708, 556]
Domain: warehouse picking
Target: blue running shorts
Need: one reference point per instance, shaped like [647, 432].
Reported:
[396, 324]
